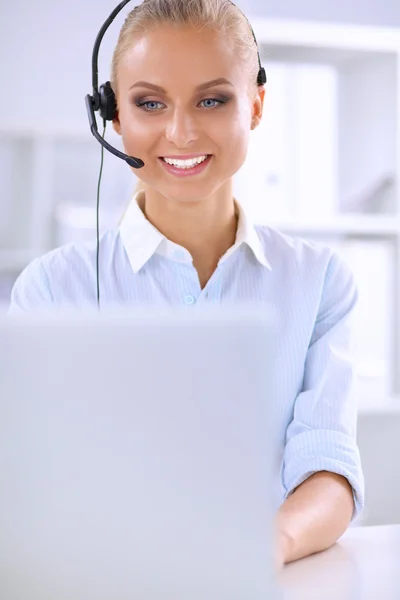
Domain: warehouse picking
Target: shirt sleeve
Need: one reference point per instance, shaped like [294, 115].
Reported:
[322, 434]
[31, 290]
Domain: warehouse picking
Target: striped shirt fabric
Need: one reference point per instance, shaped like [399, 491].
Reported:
[310, 287]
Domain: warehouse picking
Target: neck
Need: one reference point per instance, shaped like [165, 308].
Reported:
[206, 228]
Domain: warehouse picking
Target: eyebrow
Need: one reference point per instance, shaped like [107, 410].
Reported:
[201, 87]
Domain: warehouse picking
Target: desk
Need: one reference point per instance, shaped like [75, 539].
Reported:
[363, 565]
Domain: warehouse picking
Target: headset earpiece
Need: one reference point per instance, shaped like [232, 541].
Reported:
[108, 103]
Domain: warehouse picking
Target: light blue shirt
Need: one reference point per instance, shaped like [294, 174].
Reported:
[311, 288]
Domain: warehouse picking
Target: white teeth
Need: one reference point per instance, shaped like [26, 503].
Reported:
[185, 164]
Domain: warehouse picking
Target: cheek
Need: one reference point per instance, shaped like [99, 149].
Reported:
[236, 146]
[136, 137]
[238, 132]
[136, 132]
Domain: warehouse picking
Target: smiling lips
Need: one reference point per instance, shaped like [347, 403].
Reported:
[185, 163]
[190, 165]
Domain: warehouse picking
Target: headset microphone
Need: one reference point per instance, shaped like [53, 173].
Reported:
[137, 163]
[103, 100]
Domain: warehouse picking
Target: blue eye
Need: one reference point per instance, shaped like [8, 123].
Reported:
[213, 100]
[144, 104]
[152, 105]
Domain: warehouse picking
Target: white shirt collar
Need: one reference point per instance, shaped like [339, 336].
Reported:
[141, 239]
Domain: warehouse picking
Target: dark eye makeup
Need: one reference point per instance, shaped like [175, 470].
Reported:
[140, 102]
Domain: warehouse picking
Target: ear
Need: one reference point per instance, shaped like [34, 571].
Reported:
[258, 107]
[117, 124]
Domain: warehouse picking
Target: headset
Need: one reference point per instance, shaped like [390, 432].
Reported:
[103, 100]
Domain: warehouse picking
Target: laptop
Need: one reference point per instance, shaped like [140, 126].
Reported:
[136, 455]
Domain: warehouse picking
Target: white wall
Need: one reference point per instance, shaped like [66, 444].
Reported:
[45, 52]
[367, 12]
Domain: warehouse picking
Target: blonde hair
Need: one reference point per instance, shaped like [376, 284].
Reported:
[221, 16]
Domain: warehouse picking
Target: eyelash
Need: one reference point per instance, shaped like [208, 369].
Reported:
[143, 104]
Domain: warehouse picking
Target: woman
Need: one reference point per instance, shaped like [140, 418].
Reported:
[185, 79]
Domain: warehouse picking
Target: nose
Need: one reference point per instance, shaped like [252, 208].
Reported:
[181, 129]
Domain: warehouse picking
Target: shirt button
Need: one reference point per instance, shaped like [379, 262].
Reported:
[189, 300]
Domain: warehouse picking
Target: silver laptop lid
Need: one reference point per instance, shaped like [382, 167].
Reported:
[136, 456]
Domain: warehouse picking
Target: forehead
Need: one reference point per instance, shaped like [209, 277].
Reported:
[180, 57]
